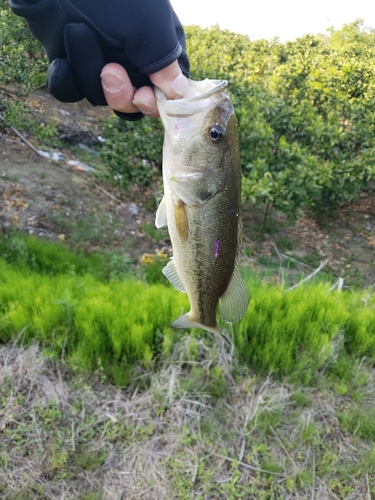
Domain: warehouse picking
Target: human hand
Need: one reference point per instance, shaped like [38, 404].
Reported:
[123, 97]
[83, 39]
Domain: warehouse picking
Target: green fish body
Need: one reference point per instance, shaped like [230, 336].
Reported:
[201, 203]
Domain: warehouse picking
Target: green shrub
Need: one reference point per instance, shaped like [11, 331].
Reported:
[132, 150]
[306, 124]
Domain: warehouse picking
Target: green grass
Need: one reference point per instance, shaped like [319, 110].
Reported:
[307, 329]
[111, 324]
[47, 258]
[69, 303]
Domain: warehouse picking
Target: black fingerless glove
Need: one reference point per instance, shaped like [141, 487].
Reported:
[81, 36]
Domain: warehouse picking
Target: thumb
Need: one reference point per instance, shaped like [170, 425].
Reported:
[171, 81]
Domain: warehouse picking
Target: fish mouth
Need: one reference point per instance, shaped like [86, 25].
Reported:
[201, 96]
[203, 89]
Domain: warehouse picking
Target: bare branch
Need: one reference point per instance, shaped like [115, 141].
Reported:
[339, 284]
[283, 256]
[323, 264]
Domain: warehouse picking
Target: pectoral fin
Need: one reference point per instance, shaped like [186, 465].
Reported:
[170, 272]
[161, 214]
[234, 302]
[182, 225]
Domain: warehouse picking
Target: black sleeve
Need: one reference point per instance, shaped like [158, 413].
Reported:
[81, 36]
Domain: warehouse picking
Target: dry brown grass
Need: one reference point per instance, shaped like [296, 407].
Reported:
[67, 436]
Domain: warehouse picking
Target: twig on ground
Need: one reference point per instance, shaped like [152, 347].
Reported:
[283, 256]
[109, 194]
[195, 470]
[72, 439]
[368, 493]
[329, 491]
[250, 467]
[23, 139]
[281, 270]
[314, 475]
[243, 448]
[339, 284]
[249, 417]
[323, 264]
[284, 449]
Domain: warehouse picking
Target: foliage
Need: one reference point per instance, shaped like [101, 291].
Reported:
[22, 58]
[306, 123]
[16, 114]
[31, 253]
[132, 151]
[355, 34]
[305, 120]
[112, 325]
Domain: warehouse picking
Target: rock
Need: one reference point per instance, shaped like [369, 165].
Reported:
[133, 209]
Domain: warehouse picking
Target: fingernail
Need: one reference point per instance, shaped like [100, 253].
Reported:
[144, 106]
[180, 85]
[112, 82]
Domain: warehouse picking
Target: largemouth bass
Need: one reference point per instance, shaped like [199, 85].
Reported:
[201, 203]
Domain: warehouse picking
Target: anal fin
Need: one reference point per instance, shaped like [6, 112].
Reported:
[234, 302]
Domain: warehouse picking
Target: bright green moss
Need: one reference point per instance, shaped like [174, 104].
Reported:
[117, 324]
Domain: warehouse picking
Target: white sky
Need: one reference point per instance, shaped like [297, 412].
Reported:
[286, 19]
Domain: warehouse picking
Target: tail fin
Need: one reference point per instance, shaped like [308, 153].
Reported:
[185, 322]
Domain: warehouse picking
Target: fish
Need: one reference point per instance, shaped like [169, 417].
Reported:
[201, 203]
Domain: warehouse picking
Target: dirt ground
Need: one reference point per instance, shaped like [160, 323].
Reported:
[58, 201]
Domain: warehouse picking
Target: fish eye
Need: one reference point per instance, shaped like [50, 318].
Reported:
[216, 133]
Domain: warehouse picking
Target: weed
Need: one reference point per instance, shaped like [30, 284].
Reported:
[89, 459]
[90, 228]
[154, 233]
[45, 131]
[10, 177]
[285, 243]
[300, 399]
[153, 272]
[268, 262]
[360, 422]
